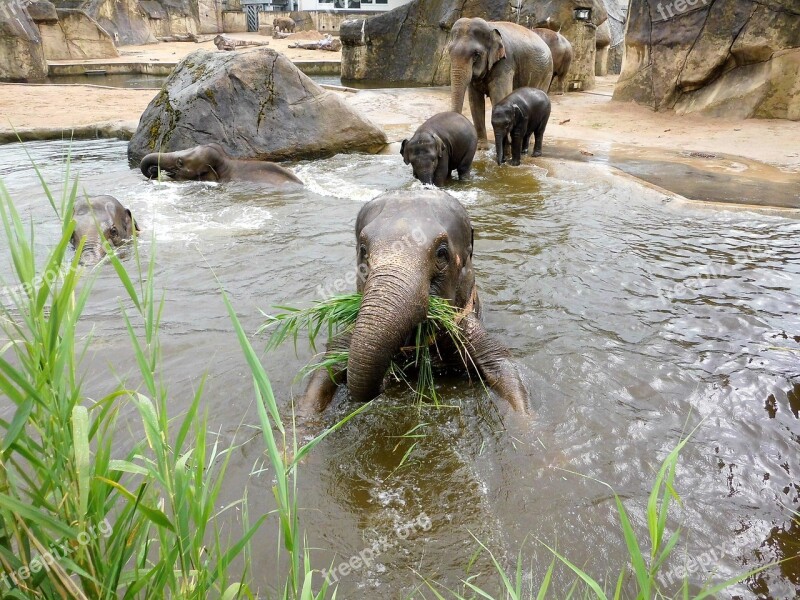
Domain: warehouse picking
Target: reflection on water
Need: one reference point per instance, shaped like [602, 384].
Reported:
[633, 320]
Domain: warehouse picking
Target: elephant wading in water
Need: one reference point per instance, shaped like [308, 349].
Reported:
[97, 218]
[517, 117]
[411, 245]
[211, 163]
[561, 50]
[493, 59]
[444, 142]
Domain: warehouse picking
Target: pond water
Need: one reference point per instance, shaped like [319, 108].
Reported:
[634, 320]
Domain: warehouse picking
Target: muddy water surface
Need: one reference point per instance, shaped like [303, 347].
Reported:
[633, 318]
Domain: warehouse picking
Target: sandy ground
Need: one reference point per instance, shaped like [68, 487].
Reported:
[174, 51]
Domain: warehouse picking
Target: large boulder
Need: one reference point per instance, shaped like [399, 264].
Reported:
[736, 58]
[256, 104]
[407, 44]
[21, 55]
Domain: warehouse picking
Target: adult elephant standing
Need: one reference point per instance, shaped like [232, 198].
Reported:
[493, 58]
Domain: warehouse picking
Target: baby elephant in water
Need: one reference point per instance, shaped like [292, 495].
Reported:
[524, 112]
[210, 162]
[444, 142]
[410, 246]
[101, 216]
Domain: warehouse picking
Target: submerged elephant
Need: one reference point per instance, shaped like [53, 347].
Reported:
[493, 59]
[517, 117]
[411, 245]
[210, 162]
[444, 142]
[561, 50]
[101, 216]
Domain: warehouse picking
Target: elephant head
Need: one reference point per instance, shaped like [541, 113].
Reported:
[475, 46]
[504, 117]
[201, 163]
[423, 151]
[97, 218]
[409, 247]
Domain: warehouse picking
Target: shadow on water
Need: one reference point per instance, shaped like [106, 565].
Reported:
[631, 319]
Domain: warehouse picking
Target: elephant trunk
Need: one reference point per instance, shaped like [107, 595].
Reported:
[395, 301]
[460, 78]
[92, 252]
[499, 142]
[149, 165]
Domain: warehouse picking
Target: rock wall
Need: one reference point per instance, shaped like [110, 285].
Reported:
[21, 55]
[75, 36]
[406, 45]
[142, 21]
[738, 58]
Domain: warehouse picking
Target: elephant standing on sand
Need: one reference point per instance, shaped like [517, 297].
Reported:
[411, 245]
[493, 59]
[97, 218]
[283, 24]
[561, 50]
[210, 162]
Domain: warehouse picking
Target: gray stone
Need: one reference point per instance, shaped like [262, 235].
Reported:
[42, 11]
[21, 55]
[76, 36]
[736, 58]
[256, 104]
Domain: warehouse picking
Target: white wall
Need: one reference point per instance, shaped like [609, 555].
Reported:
[352, 5]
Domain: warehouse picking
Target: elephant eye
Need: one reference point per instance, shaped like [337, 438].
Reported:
[362, 252]
[113, 232]
[443, 254]
[179, 163]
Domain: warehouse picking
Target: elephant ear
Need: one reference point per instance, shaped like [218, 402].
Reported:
[439, 145]
[403, 151]
[498, 49]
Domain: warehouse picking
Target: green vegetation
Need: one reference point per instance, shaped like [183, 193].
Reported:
[338, 315]
[80, 519]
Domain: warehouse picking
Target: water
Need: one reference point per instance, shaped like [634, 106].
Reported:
[634, 319]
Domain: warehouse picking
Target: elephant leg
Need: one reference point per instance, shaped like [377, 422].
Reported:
[516, 148]
[322, 385]
[539, 138]
[526, 141]
[494, 364]
[477, 106]
[506, 148]
[463, 171]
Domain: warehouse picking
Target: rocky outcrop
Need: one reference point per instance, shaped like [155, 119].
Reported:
[255, 104]
[735, 58]
[74, 36]
[21, 55]
[42, 11]
[142, 21]
[406, 45]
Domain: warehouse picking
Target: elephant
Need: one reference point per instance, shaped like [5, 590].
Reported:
[210, 162]
[101, 216]
[492, 59]
[444, 142]
[524, 112]
[283, 24]
[561, 50]
[410, 245]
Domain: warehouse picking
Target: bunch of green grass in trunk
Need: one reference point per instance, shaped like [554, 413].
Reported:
[338, 314]
[76, 519]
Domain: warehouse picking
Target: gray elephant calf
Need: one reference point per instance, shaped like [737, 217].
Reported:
[445, 142]
[521, 114]
[97, 218]
[210, 162]
[411, 245]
